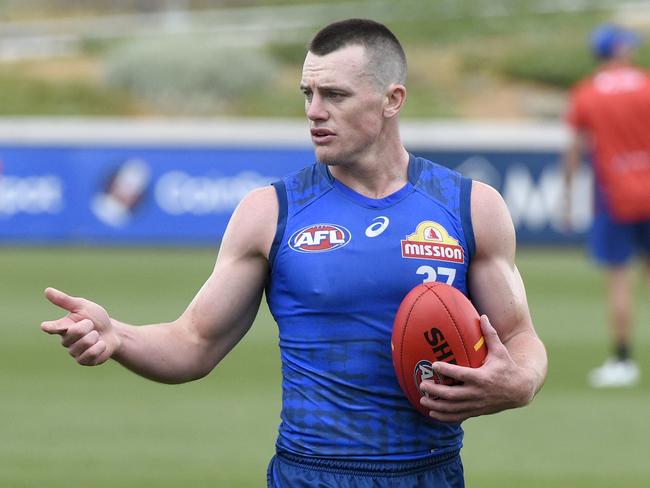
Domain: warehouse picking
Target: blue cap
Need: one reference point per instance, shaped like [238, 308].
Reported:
[606, 38]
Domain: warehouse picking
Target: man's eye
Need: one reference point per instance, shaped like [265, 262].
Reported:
[308, 96]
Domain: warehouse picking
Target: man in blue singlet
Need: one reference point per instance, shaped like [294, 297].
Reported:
[337, 246]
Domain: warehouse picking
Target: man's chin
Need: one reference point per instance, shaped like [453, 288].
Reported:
[326, 157]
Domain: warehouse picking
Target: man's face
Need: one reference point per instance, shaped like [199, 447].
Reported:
[344, 107]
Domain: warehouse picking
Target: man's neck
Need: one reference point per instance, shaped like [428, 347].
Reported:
[376, 176]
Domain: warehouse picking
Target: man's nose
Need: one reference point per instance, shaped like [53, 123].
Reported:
[316, 109]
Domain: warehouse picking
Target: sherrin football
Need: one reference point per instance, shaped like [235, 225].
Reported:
[434, 322]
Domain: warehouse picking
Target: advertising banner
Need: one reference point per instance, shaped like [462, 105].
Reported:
[175, 192]
[531, 183]
[134, 194]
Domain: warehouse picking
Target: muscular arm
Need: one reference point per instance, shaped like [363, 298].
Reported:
[497, 291]
[214, 322]
[515, 368]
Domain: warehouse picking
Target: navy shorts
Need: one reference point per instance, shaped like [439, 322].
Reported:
[614, 244]
[290, 471]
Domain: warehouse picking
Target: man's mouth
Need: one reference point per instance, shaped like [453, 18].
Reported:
[321, 135]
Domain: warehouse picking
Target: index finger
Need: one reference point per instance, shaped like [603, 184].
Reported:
[454, 371]
[62, 300]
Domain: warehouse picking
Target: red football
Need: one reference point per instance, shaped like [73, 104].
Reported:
[434, 322]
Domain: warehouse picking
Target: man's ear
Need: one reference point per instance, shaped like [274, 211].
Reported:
[395, 97]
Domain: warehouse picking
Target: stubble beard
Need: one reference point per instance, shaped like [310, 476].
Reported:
[333, 158]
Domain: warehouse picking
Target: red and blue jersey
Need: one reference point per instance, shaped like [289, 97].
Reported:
[613, 107]
[341, 263]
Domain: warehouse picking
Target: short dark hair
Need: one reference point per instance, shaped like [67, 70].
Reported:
[386, 57]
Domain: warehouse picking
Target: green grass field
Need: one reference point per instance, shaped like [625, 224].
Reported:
[64, 425]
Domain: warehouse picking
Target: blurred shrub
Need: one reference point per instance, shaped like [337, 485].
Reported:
[554, 63]
[188, 76]
[558, 66]
[291, 53]
[555, 58]
[550, 49]
[24, 95]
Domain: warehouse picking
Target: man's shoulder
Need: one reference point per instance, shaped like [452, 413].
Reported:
[301, 175]
[305, 184]
[424, 173]
[439, 183]
[493, 228]
[422, 168]
[606, 79]
[260, 204]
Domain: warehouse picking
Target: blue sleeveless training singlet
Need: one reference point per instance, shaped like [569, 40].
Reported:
[341, 263]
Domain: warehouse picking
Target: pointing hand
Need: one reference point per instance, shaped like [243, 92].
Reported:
[86, 331]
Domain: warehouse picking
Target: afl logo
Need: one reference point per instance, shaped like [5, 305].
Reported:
[320, 238]
[423, 371]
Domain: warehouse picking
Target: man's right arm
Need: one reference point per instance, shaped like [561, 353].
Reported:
[217, 318]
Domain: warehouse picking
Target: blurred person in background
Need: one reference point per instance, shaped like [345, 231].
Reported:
[609, 117]
[324, 244]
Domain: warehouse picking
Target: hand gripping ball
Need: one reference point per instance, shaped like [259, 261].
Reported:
[434, 322]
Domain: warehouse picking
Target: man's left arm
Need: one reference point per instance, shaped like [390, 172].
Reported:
[516, 363]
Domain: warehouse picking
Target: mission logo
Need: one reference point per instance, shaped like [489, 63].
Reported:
[320, 238]
[432, 241]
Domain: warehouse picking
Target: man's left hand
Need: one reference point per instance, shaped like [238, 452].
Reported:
[499, 384]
